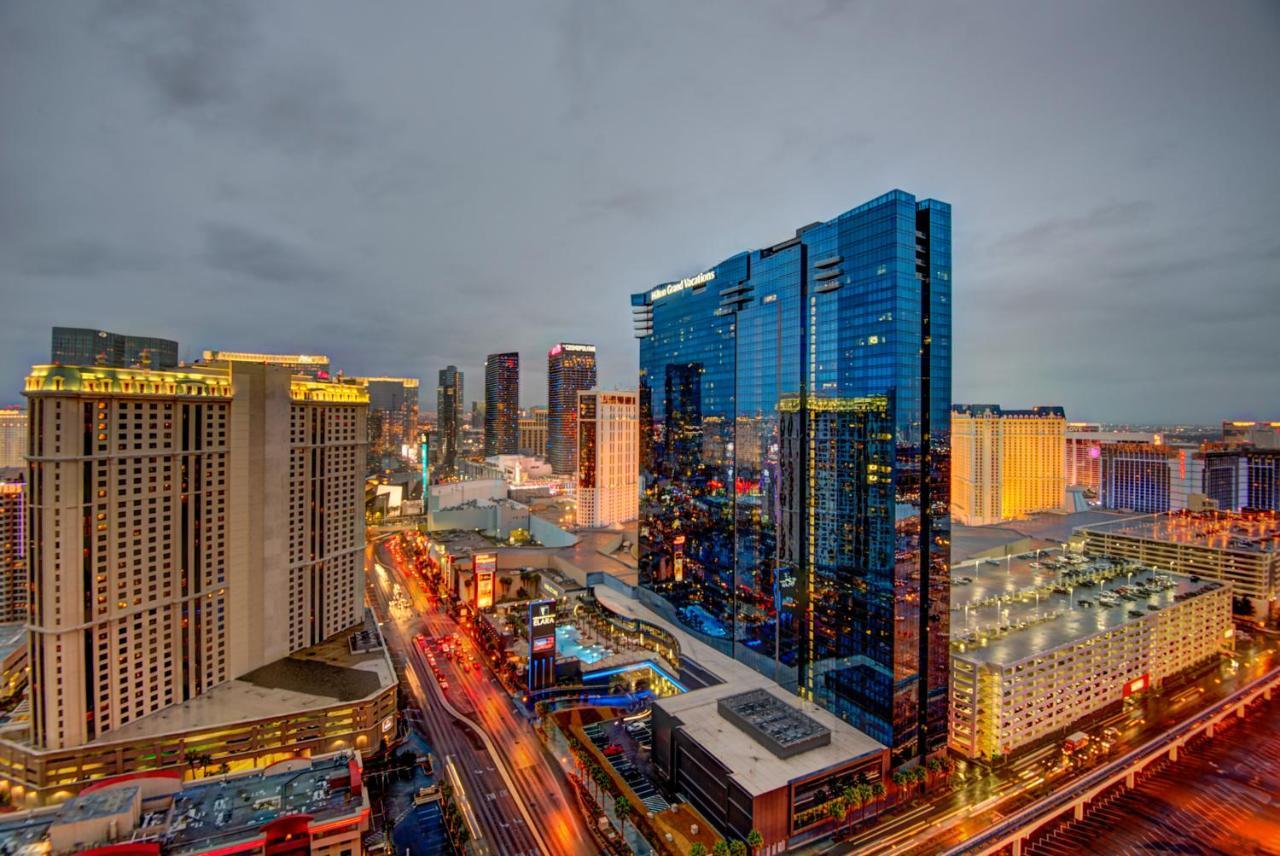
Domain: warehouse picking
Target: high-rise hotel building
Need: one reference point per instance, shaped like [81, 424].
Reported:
[13, 437]
[795, 419]
[571, 368]
[13, 544]
[393, 413]
[187, 526]
[448, 420]
[1006, 464]
[501, 404]
[608, 457]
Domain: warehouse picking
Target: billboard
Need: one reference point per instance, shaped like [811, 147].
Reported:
[542, 643]
[485, 566]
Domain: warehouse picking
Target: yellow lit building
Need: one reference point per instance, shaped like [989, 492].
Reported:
[1006, 464]
[188, 527]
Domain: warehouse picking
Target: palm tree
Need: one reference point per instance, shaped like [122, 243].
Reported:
[755, 840]
[849, 796]
[900, 780]
[878, 791]
[622, 809]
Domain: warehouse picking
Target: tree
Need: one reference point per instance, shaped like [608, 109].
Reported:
[721, 848]
[698, 849]
[622, 809]
[835, 809]
[755, 840]
[878, 791]
[737, 848]
[900, 779]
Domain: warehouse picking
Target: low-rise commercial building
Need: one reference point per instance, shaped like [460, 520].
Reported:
[315, 806]
[749, 755]
[336, 696]
[1239, 548]
[1038, 647]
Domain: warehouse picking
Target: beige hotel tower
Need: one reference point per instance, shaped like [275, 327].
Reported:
[189, 525]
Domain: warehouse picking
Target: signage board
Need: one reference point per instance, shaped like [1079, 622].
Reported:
[485, 565]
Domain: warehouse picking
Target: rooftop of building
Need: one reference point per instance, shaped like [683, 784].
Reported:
[1050, 529]
[1041, 411]
[1248, 532]
[321, 676]
[205, 380]
[99, 803]
[1004, 611]
[753, 764]
[205, 815]
[1095, 432]
[13, 636]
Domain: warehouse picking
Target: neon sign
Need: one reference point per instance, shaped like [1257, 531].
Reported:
[676, 287]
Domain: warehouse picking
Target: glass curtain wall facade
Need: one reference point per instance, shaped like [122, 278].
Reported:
[78, 346]
[501, 404]
[795, 423]
[571, 368]
[448, 420]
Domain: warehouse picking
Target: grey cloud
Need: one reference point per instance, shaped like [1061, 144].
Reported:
[232, 249]
[84, 258]
[207, 63]
[407, 185]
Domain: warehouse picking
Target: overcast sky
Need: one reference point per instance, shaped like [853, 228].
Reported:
[408, 185]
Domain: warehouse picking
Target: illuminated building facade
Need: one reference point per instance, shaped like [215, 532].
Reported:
[13, 437]
[393, 409]
[1136, 477]
[1014, 688]
[1260, 435]
[501, 404]
[448, 420]
[13, 544]
[1006, 463]
[320, 807]
[533, 433]
[77, 346]
[571, 368]
[1084, 444]
[313, 365]
[1240, 548]
[795, 418]
[187, 527]
[608, 457]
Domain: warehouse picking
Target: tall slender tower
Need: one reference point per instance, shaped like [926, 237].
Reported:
[795, 404]
[448, 420]
[571, 368]
[501, 404]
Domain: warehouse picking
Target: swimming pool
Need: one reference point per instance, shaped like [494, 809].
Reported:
[569, 644]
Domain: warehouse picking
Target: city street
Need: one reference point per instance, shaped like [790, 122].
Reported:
[541, 816]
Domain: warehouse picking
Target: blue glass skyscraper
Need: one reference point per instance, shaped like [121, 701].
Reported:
[795, 450]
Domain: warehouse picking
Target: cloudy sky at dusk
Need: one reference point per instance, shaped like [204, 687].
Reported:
[408, 185]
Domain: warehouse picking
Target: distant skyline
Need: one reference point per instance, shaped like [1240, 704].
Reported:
[408, 186]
